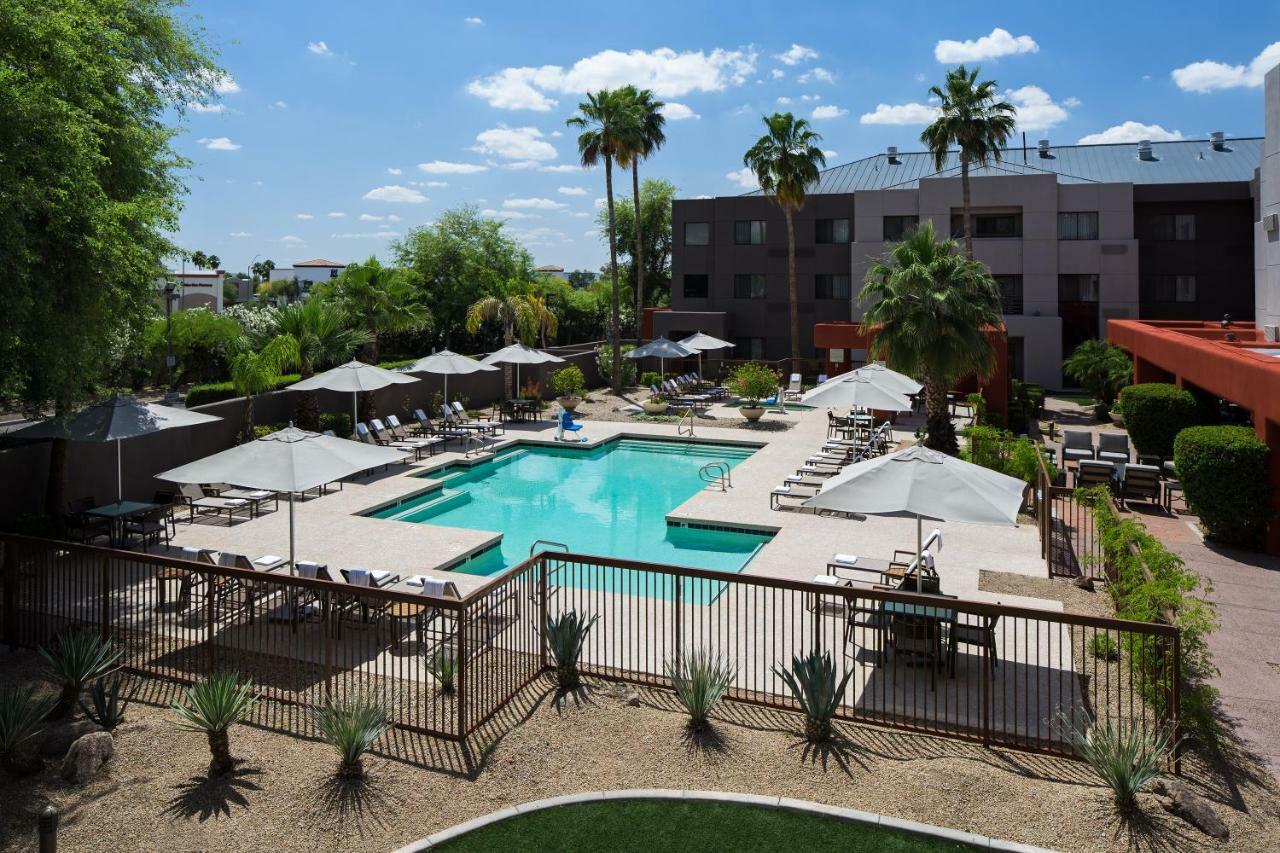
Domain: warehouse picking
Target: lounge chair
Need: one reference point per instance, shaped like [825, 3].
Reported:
[460, 414]
[200, 504]
[1077, 445]
[1141, 482]
[431, 428]
[792, 391]
[790, 492]
[448, 417]
[378, 435]
[1092, 472]
[399, 433]
[1113, 447]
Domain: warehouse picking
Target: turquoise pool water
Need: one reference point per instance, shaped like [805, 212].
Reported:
[610, 501]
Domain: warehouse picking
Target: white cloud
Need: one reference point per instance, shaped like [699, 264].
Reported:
[292, 240]
[796, 54]
[197, 107]
[783, 99]
[556, 134]
[580, 215]
[444, 167]
[281, 105]
[777, 74]
[218, 143]
[391, 217]
[1036, 110]
[533, 204]
[433, 183]
[668, 73]
[561, 168]
[303, 216]
[392, 170]
[601, 203]
[571, 191]
[678, 112]
[395, 193]
[319, 48]
[519, 164]
[1131, 131]
[220, 82]
[591, 233]
[336, 214]
[1208, 75]
[368, 217]
[515, 143]
[829, 111]
[1071, 103]
[999, 43]
[508, 214]
[820, 74]
[365, 235]
[475, 22]
[240, 234]
[811, 97]
[911, 113]
[744, 178]
[920, 77]
[830, 155]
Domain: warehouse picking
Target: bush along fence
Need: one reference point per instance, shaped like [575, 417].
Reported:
[994, 674]
[1225, 479]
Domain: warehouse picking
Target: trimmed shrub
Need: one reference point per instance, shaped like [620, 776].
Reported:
[813, 681]
[700, 679]
[569, 382]
[998, 450]
[339, 422]
[1154, 413]
[753, 382]
[1224, 476]
[566, 635]
[1125, 757]
[650, 377]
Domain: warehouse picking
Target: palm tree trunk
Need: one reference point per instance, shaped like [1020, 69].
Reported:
[248, 417]
[615, 319]
[220, 752]
[941, 434]
[368, 408]
[638, 258]
[965, 206]
[793, 295]
[306, 413]
[508, 338]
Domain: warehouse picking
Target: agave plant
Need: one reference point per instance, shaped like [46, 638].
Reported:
[213, 706]
[351, 725]
[700, 678]
[22, 715]
[74, 659]
[108, 703]
[444, 666]
[1125, 757]
[812, 681]
[566, 635]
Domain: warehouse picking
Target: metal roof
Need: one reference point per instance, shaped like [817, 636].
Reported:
[1184, 162]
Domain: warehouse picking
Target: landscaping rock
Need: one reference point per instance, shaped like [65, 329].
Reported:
[86, 756]
[1179, 800]
[1084, 582]
[58, 739]
[626, 694]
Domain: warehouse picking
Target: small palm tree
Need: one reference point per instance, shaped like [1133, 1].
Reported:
[513, 312]
[324, 337]
[213, 706]
[645, 138]
[380, 299]
[607, 120]
[971, 118]
[256, 372]
[76, 658]
[931, 305]
[1102, 369]
[786, 161]
[544, 319]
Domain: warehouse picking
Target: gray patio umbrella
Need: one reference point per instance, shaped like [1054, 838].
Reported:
[519, 354]
[446, 364]
[892, 379]
[291, 460]
[703, 342]
[927, 484]
[354, 376]
[114, 420]
[856, 391]
[662, 349]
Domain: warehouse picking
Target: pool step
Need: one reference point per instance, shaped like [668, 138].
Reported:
[447, 499]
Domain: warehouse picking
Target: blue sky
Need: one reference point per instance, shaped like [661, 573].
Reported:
[342, 124]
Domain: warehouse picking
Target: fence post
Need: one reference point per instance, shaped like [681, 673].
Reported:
[1176, 704]
[326, 626]
[462, 671]
[104, 615]
[542, 613]
[988, 688]
[11, 594]
[210, 612]
[679, 627]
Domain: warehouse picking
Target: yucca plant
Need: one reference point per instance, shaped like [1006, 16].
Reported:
[351, 725]
[444, 666]
[700, 679]
[813, 682]
[75, 659]
[566, 634]
[22, 715]
[108, 703]
[1125, 757]
[213, 706]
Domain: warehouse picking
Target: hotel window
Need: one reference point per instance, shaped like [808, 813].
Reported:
[749, 348]
[1010, 293]
[1173, 288]
[748, 286]
[697, 233]
[695, 286]
[897, 228]
[831, 231]
[987, 225]
[1078, 226]
[827, 286]
[1078, 288]
[1170, 226]
[749, 232]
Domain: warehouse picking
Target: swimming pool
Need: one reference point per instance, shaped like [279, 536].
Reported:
[609, 501]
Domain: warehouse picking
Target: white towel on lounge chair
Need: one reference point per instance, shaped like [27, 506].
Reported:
[378, 576]
[308, 569]
[359, 577]
[268, 559]
[235, 501]
[845, 559]
[434, 586]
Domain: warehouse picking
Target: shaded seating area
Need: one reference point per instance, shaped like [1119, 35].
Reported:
[1077, 445]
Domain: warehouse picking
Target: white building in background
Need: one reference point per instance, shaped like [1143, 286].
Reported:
[196, 289]
[314, 271]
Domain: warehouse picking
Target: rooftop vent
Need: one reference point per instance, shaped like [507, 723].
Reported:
[1044, 147]
[1144, 150]
[1218, 140]
[893, 154]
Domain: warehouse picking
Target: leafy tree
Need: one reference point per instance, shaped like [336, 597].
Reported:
[656, 196]
[643, 140]
[581, 315]
[544, 319]
[930, 307]
[379, 299]
[230, 290]
[582, 278]
[786, 161]
[203, 344]
[1102, 369]
[605, 119]
[324, 339]
[254, 372]
[262, 269]
[971, 118]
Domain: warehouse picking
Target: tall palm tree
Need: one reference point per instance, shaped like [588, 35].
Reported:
[257, 371]
[516, 316]
[645, 138]
[972, 119]
[325, 338]
[929, 307]
[607, 120]
[786, 161]
[544, 319]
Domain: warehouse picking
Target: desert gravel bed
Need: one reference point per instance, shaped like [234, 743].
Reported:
[282, 797]
[600, 405]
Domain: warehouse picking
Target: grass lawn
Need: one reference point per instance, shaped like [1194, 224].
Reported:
[644, 826]
[1078, 397]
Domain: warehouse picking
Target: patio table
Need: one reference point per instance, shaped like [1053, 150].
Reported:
[119, 512]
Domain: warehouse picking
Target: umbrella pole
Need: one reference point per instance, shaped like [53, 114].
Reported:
[354, 410]
[919, 554]
[119, 475]
[291, 532]
[446, 391]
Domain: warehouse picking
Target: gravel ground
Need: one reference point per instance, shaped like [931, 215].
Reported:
[600, 405]
[282, 796]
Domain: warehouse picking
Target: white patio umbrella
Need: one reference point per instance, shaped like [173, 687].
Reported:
[519, 354]
[446, 364]
[856, 391]
[114, 420]
[662, 349]
[891, 379]
[291, 460]
[927, 484]
[354, 376]
[703, 342]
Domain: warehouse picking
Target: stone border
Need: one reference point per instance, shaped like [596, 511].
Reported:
[803, 806]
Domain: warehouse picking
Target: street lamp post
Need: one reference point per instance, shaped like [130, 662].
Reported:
[171, 392]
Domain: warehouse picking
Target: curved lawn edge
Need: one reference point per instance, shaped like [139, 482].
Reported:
[912, 827]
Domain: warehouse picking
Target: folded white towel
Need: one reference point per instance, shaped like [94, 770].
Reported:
[358, 577]
[379, 576]
[268, 559]
[307, 569]
[236, 501]
[845, 559]
[260, 493]
[782, 490]
[433, 586]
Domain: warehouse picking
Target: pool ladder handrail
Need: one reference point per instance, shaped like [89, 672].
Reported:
[687, 416]
[717, 474]
[553, 566]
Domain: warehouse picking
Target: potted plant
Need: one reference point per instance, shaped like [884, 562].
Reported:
[656, 405]
[569, 385]
[753, 383]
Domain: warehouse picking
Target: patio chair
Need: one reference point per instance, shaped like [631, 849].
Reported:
[1113, 447]
[792, 391]
[198, 503]
[1077, 445]
[870, 616]
[150, 526]
[491, 425]
[790, 492]
[1092, 472]
[399, 433]
[982, 635]
[82, 527]
[375, 432]
[1141, 482]
[438, 429]
[422, 615]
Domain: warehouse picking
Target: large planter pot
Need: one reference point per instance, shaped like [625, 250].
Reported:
[655, 408]
[569, 404]
[752, 413]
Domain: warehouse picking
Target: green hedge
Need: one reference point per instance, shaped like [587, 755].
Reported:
[216, 392]
[998, 450]
[1223, 470]
[1154, 414]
